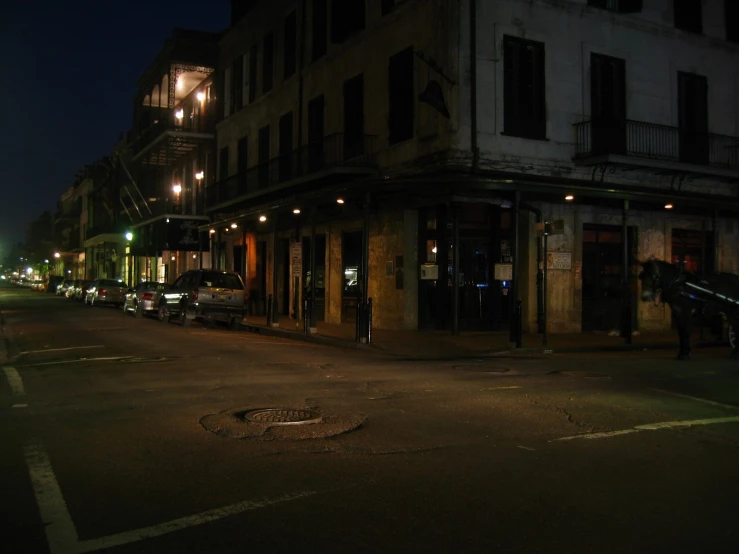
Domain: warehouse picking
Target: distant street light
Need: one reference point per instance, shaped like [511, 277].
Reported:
[177, 189]
[129, 236]
[57, 255]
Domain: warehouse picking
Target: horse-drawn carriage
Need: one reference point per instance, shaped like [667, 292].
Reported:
[692, 296]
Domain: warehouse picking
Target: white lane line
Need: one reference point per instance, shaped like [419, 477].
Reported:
[697, 399]
[60, 532]
[78, 360]
[184, 522]
[16, 383]
[19, 406]
[61, 349]
[652, 427]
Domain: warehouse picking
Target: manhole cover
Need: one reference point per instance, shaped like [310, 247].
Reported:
[282, 416]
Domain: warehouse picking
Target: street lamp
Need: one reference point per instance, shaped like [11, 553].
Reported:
[129, 236]
[177, 189]
[57, 255]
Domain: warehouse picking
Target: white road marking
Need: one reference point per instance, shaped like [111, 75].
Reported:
[526, 448]
[184, 522]
[16, 383]
[19, 406]
[60, 349]
[60, 532]
[77, 360]
[697, 399]
[653, 427]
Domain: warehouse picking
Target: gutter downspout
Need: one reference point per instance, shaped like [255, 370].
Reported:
[473, 87]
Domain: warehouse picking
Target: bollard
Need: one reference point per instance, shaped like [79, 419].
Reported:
[275, 311]
[269, 310]
[305, 316]
[358, 322]
[519, 322]
[369, 321]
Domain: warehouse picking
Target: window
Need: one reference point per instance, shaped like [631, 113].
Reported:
[263, 154]
[524, 110]
[387, 6]
[623, 6]
[253, 53]
[242, 155]
[689, 15]
[291, 30]
[354, 117]
[347, 19]
[223, 163]
[692, 99]
[320, 29]
[286, 146]
[731, 13]
[316, 111]
[401, 96]
[237, 84]
[608, 104]
[268, 63]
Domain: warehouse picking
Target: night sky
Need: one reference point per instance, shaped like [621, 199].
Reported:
[69, 72]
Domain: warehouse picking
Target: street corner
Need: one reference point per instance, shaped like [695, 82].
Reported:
[280, 424]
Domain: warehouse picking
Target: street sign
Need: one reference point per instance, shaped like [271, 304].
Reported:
[549, 228]
[296, 258]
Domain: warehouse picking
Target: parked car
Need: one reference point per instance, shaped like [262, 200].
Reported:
[143, 298]
[54, 282]
[61, 290]
[204, 294]
[72, 289]
[80, 292]
[106, 291]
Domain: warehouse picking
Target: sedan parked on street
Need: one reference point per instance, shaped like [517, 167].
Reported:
[143, 298]
[106, 291]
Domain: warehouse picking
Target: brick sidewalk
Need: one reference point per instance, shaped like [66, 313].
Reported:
[439, 344]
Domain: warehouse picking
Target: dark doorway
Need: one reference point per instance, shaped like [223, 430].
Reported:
[693, 118]
[352, 244]
[608, 104]
[315, 133]
[602, 277]
[238, 259]
[319, 280]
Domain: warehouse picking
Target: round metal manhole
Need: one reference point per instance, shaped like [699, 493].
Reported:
[282, 416]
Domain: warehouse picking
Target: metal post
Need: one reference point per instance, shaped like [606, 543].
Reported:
[217, 262]
[703, 267]
[365, 268]
[715, 240]
[369, 321]
[626, 294]
[455, 271]
[269, 310]
[515, 326]
[275, 294]
[200, 250]
[544, 288]
[313, 327]
[306, 329]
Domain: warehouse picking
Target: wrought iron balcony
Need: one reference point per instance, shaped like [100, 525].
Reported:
[334, 152]
[165, 140]
[110, 228]
[650, 141]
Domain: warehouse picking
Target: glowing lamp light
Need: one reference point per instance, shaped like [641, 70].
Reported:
[569, 198]
[177, 189]
[339, 200]
[262, 218]
[669, 206]
[296, 211]
[434, 249]
[201, 96]
[212, 231]
[46, 261]
[179, 114]
[129, 236]
[233, 226]
[57, 254]
[29, 270]
[173, 258]
[199, 175]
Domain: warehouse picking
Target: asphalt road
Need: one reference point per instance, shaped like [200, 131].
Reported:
[105, 446]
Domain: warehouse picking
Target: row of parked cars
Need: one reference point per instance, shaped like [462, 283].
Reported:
[197, 294]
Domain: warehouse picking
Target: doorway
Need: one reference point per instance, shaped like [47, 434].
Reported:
[319, 280]
[602, 277]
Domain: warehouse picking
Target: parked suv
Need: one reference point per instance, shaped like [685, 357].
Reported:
[204, 294]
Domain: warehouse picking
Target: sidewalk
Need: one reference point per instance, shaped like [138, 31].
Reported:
[429, 344]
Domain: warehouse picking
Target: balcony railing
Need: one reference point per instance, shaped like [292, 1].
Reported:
[116, 228]
[336, 150]
[656, 142]
[204, 124]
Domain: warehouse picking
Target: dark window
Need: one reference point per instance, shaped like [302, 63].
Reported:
[689, 15]
[242, 156]
[263, 153]
[623, 6]
[387, 6]
[211, 279]
[237, 84]
[347, 19]
[524, 99]
[608, 104]
[732, 20]
[286, 146]
[401, 96]
[268, 62]
[693, 118]
[354, 117]
[316, 108]
[223, 163]
[291, 30]
[320, 29]
[253, 53]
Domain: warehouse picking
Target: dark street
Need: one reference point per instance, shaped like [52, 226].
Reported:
[106, 448]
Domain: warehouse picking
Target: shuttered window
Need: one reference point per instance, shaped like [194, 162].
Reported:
[524, 99]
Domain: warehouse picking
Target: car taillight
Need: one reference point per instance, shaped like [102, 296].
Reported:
[195, 295]
[103, 291]
[147, 296]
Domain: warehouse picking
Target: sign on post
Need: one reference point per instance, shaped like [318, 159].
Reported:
[550, 228]
[559, 260]
[296, 259]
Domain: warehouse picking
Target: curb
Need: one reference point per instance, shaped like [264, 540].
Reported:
[316, 339]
